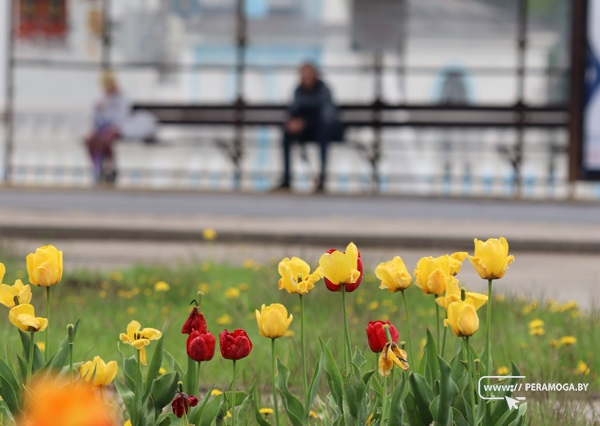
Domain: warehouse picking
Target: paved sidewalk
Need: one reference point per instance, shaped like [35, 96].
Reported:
[284, 218]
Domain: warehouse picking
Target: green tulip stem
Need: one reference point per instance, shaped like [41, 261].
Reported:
[347, 350]
[198, 378]
[70, 362]
[303, 344]
[235, 396]
[30, 362]
[273, 382]
[410, 346]
[138, 383]
[489, 328]
[47, 347]
[437, 322]
[184, 419]
[470, 372]
[444, 341]
[383, 403]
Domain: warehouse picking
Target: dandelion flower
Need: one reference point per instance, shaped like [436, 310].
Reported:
[161, 286]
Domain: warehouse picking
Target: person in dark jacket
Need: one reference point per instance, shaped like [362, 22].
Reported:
[312, 116]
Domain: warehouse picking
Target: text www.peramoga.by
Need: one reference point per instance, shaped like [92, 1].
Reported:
[537, 387]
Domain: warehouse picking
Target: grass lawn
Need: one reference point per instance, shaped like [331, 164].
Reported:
[105, 303]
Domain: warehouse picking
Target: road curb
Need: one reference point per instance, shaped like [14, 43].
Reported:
[454, 243]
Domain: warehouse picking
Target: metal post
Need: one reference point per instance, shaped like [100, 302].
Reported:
[376, 152]
[579, 27]
[106, 37]
[239, 102]
[521, 52]
[10, 95]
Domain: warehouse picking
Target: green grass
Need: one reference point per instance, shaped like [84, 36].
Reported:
[105, 303]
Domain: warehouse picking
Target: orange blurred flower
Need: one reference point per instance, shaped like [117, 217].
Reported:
[58, 403]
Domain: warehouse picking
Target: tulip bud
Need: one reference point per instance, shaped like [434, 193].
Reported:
[71, 333]
[234, 345]
[195, 321]
[377, 334]
[200, 346]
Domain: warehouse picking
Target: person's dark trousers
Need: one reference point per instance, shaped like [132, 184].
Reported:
[317, 131]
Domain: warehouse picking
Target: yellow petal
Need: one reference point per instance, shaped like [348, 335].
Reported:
[132, 328]
[150, 334]
[2, 271]
[143, 355]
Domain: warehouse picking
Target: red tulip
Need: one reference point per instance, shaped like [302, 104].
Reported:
[377, 337]
[182, 403]
[201, 346]
[195, 321]
[235, 345]
[349, 287]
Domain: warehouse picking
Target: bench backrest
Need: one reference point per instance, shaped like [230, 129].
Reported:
[364, 115]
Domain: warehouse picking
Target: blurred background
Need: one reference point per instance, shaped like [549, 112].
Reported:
[432, 53]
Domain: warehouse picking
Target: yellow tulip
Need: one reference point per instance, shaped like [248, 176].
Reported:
[23, 317]
[453, 295]
[139, 339]
[491, 258]
[273, 320]
[432, 275]
[456, 261]
[341, 267]
[296, 276]
[462, 318]
[393, 275]
[45, 266]
[390, 356]
[19, 291]
[103, 373]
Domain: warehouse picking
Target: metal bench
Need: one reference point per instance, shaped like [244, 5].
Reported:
[377, 116]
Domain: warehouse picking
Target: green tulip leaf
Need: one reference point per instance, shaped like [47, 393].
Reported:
[234, 399]
[314, 384]
[164, 389]
[396, 416]
[211, 411]
[155, 365]
[173, 364]
[293, 406]
[5, 411]
[423, 396]
[412, 412]
[459, 419]
[258, 416]
[38, 359]
[334, 378]
[430, 358]
[191, 377]
[130, 371]
[358, 359]
[377, 388]
[9, 375]
[9, 395]
[196, 412]
[128, 398]
[448, 390]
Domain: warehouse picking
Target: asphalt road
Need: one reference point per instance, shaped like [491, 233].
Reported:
[290, 205]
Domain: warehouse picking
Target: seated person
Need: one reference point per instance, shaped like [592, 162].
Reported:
[312, 116]
[110, 115]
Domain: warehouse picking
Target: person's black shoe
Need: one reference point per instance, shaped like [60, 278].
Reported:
[320, 188]
[283, 186]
